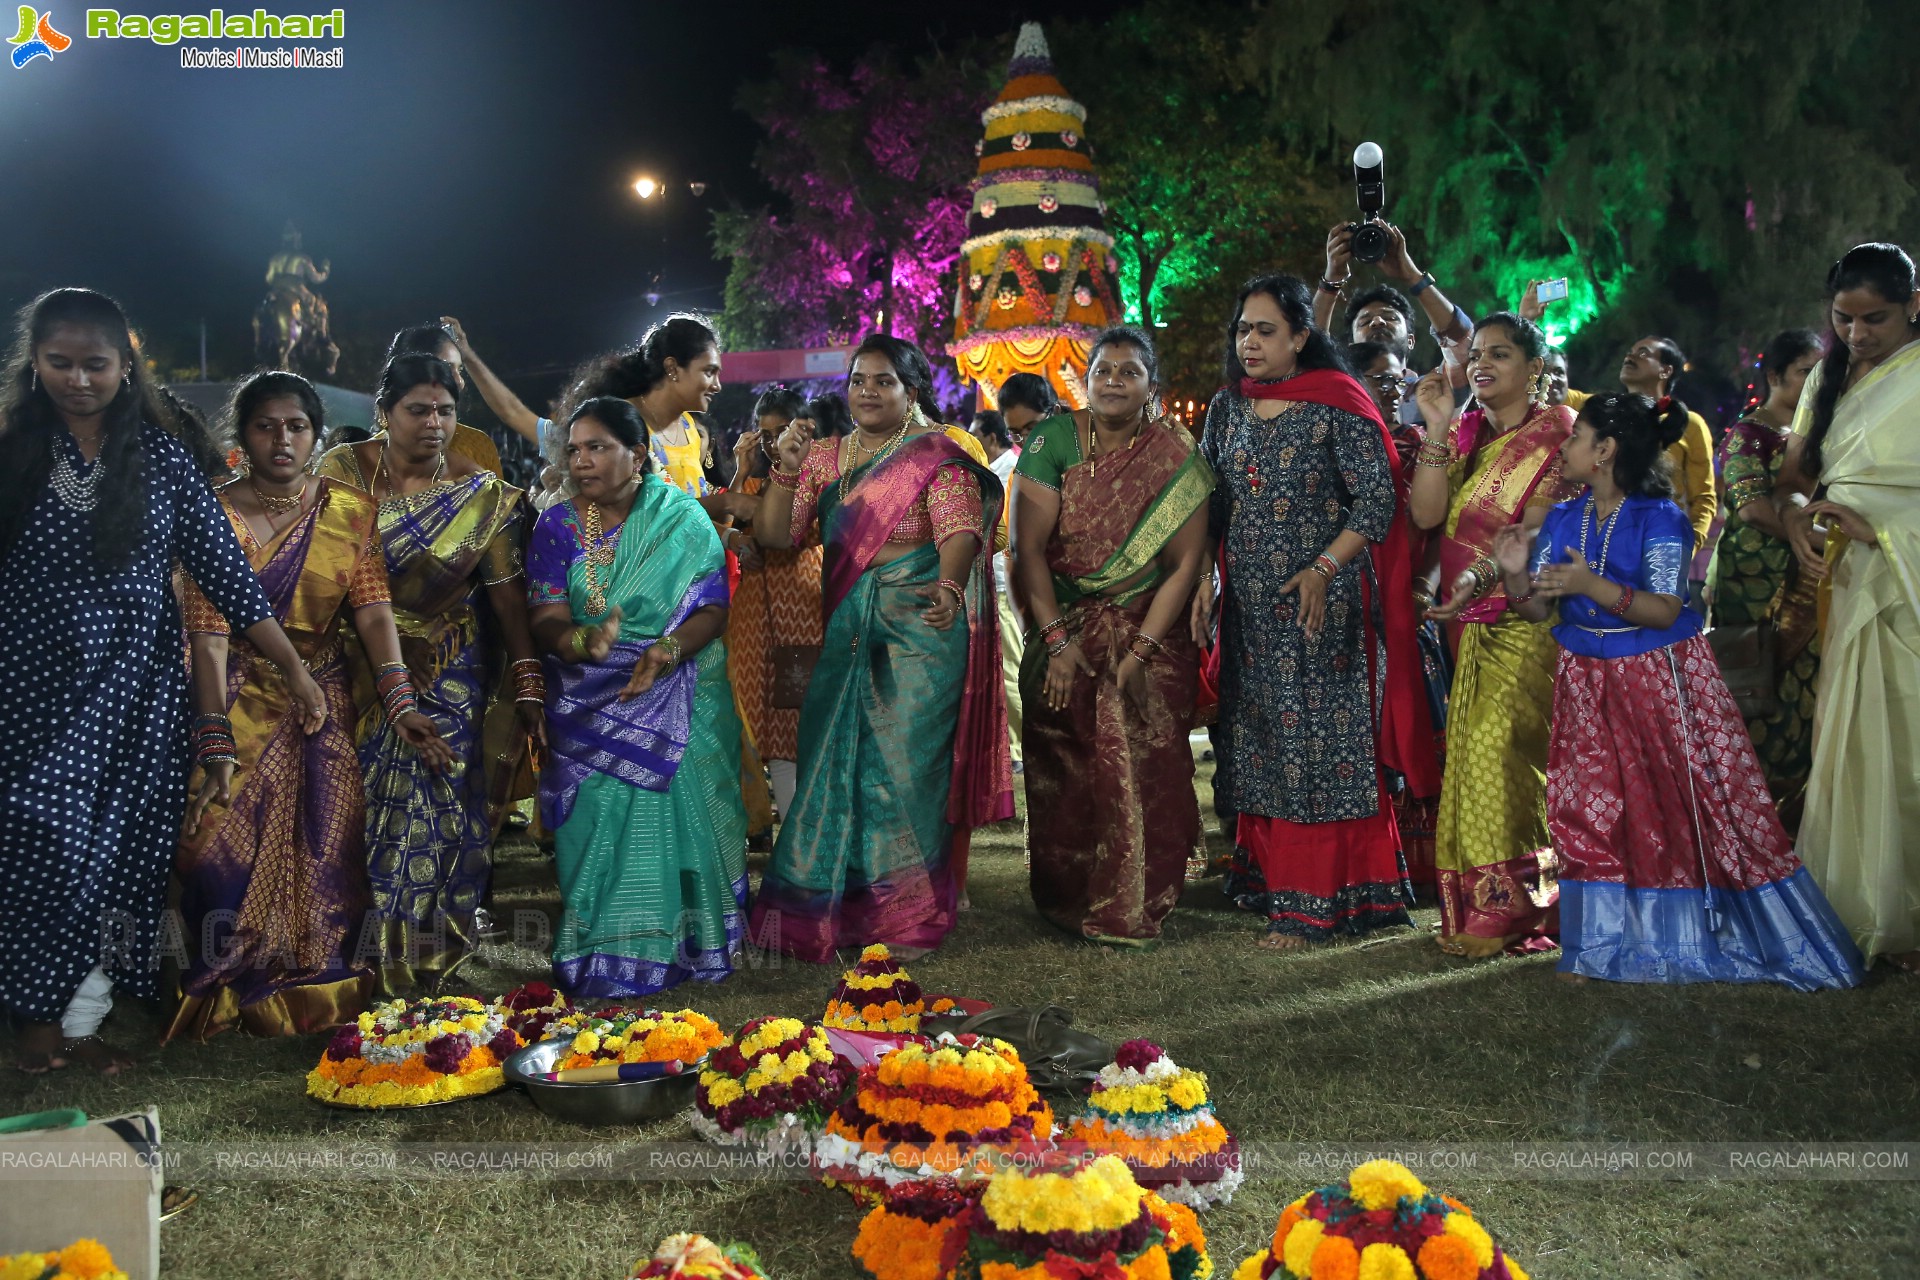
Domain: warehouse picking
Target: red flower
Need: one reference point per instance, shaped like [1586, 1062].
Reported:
[1138, 1055]
[534, 995]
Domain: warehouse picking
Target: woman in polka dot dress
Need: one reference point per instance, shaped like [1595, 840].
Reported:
[97, 503]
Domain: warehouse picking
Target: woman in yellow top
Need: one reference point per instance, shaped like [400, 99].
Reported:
[1858, 430]
[673, 374]
[1649, 370]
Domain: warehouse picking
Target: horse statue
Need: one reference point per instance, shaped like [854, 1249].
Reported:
[290, 328]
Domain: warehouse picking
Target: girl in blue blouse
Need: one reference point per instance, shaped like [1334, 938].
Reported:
[1674, 866]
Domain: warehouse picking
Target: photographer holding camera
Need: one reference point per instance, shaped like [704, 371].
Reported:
[1382, 313]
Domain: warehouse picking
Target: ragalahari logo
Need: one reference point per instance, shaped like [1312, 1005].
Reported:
[37, 38]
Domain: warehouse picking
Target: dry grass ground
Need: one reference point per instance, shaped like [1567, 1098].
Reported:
[1386, 1043]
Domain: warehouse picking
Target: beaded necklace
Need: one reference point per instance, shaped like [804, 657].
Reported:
[79, 493]
[1606, 534]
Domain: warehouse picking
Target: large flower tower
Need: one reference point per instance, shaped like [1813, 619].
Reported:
[1039, 281]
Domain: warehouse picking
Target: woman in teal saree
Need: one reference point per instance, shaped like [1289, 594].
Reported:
[903, 737]
[629, 597]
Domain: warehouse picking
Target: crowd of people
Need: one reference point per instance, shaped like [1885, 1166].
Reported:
[1447, 630]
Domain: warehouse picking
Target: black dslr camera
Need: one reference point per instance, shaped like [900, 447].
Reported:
[1370, 241]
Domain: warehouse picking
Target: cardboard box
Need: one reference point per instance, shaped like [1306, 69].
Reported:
[99, 1179]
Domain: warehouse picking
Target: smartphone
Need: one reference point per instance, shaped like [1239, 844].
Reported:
[1553, 290]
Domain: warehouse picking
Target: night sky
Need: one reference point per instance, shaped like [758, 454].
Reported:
[473, 158]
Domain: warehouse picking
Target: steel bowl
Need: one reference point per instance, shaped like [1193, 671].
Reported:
[609, 1102]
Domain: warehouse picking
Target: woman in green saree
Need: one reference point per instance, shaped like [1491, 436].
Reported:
[903, 737]
[628, 590]
[1112, 536]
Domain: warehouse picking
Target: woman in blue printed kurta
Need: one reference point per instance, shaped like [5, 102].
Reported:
[97, 503]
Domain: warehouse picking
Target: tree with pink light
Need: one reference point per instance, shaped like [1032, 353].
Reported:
[872, 165]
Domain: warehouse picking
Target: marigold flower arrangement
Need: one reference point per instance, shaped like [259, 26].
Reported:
[689, 1256]
[1380, 1224]
[917, 1231]
[1064, 1218]
[81, 1260]
[772, 1085]
[1157, 1117]
[877, 995]
[941, 1109]
[1089, 1220]
[412, 1053]
[640, 1035]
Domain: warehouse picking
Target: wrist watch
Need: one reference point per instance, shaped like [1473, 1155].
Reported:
[1420, 286]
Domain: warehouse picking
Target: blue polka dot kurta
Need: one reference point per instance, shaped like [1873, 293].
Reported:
[93, 743]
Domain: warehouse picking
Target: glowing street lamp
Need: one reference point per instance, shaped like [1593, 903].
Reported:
[647, 188]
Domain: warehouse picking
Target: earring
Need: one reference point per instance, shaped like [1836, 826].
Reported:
[34, 382]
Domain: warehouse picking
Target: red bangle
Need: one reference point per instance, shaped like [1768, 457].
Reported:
[1619, 610]
[959, 592]
[786, 479]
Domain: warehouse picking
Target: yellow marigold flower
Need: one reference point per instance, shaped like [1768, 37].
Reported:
[1301, 1242]
[1513, 1269]
[723, 1091]
[1379, 1184]
[586, 1042]
[474, 1021]
[364, 1022]
[87, 1260]
[1187, 1092]
[1459, 1224]
[1249, 1269]
[820, 1050]
[878, 951]
[1385, 1262]
[798, 1063]
[27, 1266]
[756, 1081]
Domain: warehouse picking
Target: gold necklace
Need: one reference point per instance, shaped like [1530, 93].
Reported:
[275, 504]
[1093, 440]
[598, 556]
[384, 473]
[873, 455]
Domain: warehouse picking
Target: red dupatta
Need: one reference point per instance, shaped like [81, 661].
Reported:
[1405, 724]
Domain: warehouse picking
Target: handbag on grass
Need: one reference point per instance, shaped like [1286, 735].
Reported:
[1058, 1058]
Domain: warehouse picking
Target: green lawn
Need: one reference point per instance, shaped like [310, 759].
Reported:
[1383, 1043]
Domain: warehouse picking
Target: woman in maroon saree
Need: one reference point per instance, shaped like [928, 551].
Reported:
[1112, 537]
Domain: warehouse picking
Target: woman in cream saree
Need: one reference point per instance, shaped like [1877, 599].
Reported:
[1860, 836]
